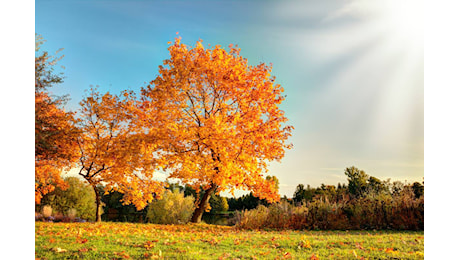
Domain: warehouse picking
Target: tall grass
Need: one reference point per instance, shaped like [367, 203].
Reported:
[373, 211]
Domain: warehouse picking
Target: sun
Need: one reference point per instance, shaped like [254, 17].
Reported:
[404, 20]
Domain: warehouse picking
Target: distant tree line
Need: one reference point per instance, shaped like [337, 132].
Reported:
[364, 202]
[359, 185]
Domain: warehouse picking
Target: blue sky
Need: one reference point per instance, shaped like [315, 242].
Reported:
[352, 70]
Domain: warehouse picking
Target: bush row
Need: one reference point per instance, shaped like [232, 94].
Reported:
[383, 211]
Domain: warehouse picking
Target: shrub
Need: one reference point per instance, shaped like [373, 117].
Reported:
[173, 208]
[78, 200]
[276, 216]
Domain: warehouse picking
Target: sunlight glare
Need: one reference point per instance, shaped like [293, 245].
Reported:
[405, 20]
[375, 90]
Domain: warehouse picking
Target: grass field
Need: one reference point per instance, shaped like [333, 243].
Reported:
[201, 241]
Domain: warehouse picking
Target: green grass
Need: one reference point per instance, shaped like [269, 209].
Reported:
[201, 241]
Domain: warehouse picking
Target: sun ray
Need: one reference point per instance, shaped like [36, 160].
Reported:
[377, 88]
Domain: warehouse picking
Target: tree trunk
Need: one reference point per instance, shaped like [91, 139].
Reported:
[98, 204]
[198, 213]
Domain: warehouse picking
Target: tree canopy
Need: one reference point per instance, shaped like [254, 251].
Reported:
[112, 152]
[215, 120]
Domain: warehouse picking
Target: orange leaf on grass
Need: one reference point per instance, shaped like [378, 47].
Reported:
[287, 255]
[314, 257]
[389, 250]
[82, 241]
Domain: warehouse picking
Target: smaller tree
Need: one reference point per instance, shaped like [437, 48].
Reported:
[357, 181]
[299, 192]
[303, 194]
[113, 152]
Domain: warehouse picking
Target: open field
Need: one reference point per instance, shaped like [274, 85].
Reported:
[202, 241]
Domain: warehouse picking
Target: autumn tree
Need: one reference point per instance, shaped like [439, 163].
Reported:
[216, 120]
[54, 129]
[112, 153]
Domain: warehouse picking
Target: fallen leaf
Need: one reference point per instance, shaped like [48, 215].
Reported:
[59, 250]
[354, 253]
[314, 257]
[287, 255]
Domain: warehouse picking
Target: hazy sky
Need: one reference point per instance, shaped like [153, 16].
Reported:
[352, 70]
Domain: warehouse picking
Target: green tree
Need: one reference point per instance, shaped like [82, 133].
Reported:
[326, 191]
[173, 208]
[376, 185]
[218, 203]
[357, 181]
[303, 194]
[77, 199]
[248, 201]
[299, 193]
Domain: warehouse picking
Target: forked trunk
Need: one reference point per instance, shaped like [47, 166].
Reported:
[198, 213]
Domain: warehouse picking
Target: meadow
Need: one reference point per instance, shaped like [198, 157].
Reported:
[110, 240]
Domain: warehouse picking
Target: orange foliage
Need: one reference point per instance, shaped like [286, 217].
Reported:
[55, 144]
[112, 152]
[54, 131]
[215, 120]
